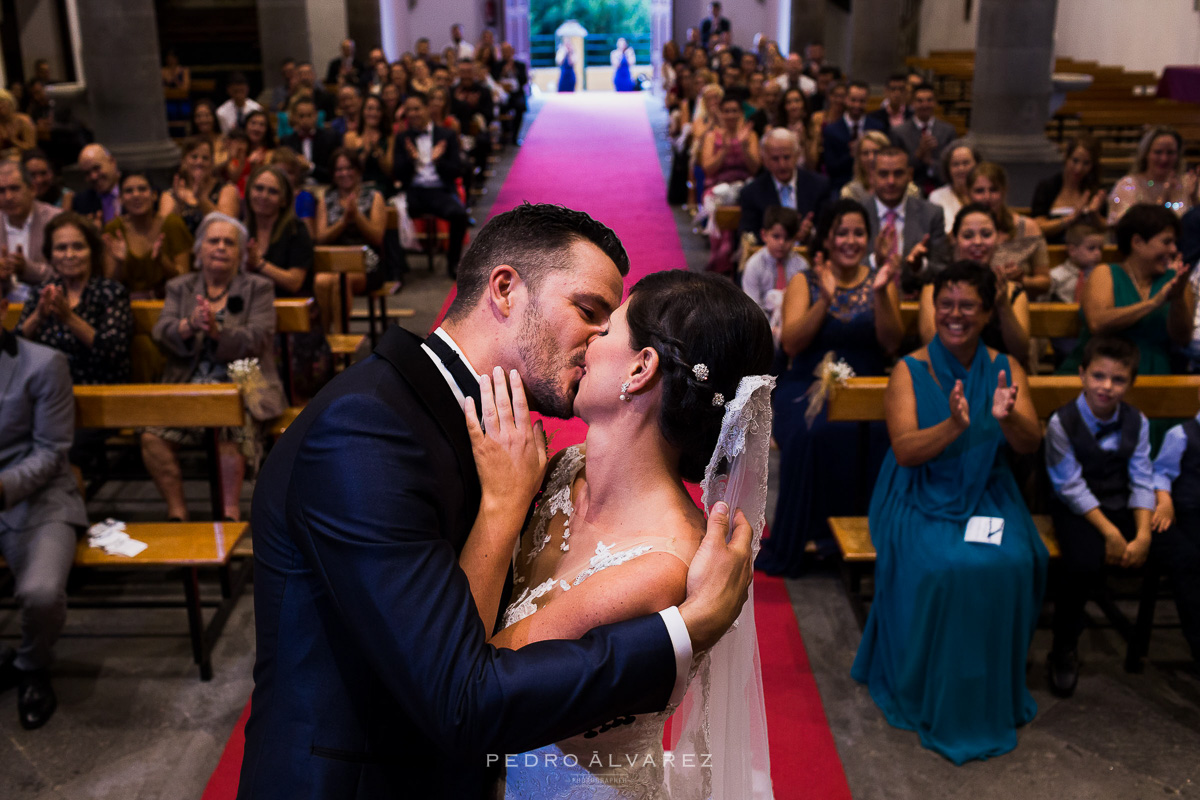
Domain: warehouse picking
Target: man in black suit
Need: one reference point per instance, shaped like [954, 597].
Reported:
[513, 76]
[306, 77]
[895, 108]
[315, 145]
[840, 135]
[428, 165]
[713, 26]
[782, 183]
[345, 68]
[373, 675]
[101, 201]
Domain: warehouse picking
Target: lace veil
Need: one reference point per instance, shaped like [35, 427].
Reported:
[718, 738]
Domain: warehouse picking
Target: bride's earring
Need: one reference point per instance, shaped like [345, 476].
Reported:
[625, 392]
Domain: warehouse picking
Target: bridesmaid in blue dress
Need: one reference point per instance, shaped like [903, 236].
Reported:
[622, 73]
[944, 649]
[566, 73]
[845, 307]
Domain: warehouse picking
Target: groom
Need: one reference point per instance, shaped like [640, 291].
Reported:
[373, 676]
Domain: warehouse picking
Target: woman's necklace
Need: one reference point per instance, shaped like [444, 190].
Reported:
[220, 296]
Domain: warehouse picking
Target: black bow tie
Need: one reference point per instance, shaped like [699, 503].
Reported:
[1107, 428]
[468, 384]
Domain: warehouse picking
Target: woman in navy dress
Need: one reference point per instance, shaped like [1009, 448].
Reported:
[944, 649]
[566, 73]
[622, 73]
[844, 307]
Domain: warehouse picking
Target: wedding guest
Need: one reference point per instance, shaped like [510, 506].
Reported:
[305, 205]
[283, 90]
[196, 191]
[944, 649]
[306, 85]
[280, 247]
[1158, 177]
[958, 159]
[909, 228]
[177, 84]
[1176, 524]
[46, 186]
[102, 199]
[793, 115]
[77, 310]
[428, 166]
[204, 126]
[706, 118]
[316, 145]
[439, 111]
[712, 25]
[729, 155]
[1146, 299]
[1098, 460]
[374, 143]
[419, 80]
[234, 111]
[840, 310]
[840, 134]
[143, 250]
[349, 213]
[771, 268]
[41, 512]
[1072, 195]
[211, 317]
[16, 129]
[346, 68]
[23, 232]
[975, 239]
[868, 146]
[785, 183]
[261, 141]
[924, 137]
[513, 76]
[1021, 239]
[1085, 251]
[895, 110]
[463, 50]
[349, 118]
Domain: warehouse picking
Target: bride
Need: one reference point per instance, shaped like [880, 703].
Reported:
[674, 391]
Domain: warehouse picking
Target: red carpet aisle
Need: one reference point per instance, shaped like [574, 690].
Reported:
[596, 153]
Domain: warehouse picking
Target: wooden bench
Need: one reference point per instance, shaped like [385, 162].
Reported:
[728, 218]
[1157, 396]
[343, 260]
[1058, 254]
[184, 546]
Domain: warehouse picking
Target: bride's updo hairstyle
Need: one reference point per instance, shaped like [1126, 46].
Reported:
[693, 318]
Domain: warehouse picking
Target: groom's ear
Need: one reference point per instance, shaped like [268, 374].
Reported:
[503, 287]
[645, 370]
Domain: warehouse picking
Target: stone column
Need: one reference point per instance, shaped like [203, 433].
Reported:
[1010, 98]
[808, 25]
[124, 87]
[874, 40]
[283, 33]
[362, 25]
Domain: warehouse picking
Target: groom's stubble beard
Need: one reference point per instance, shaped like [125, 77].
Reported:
[543, 363]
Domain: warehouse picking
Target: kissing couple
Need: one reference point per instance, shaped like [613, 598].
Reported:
[415, 623]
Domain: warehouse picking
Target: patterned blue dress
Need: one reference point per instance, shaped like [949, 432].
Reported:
[822, 473]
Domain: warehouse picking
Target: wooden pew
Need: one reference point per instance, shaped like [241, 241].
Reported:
[1058, 254]
[1157, 396]
[292, 314]
[185, 546]
[12, 315]
[728, 218]
[343, 260]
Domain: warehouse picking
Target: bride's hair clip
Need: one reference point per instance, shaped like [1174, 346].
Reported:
[718, 399]
[701, 372]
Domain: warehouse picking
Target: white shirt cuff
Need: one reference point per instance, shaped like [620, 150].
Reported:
[681, 640]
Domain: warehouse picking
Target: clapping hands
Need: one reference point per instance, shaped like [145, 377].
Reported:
[960, 409]
[826, 282]
[203, 319]
[1004, 399]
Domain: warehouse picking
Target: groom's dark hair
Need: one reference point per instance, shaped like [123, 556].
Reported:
[531, 239]
[691, 319]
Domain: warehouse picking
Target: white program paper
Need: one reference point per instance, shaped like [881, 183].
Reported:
[985, 530]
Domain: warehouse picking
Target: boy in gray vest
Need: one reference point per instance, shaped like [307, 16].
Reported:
[1098, 458]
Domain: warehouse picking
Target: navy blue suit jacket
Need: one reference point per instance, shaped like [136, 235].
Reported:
[373, 677]
[836, 153]
[812, 193]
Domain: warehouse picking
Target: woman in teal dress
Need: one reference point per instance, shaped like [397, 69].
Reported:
[1145, 299]
[944, 649]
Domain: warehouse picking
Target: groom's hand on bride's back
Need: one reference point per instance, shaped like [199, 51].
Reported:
[718, 581]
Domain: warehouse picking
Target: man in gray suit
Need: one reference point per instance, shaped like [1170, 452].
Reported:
[22, 228]
[40, 511]
[924, 137]
[905, 226]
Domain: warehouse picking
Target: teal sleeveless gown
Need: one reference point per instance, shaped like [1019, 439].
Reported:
[944, 648]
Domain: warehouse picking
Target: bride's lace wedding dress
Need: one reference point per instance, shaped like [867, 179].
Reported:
[622, 760]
